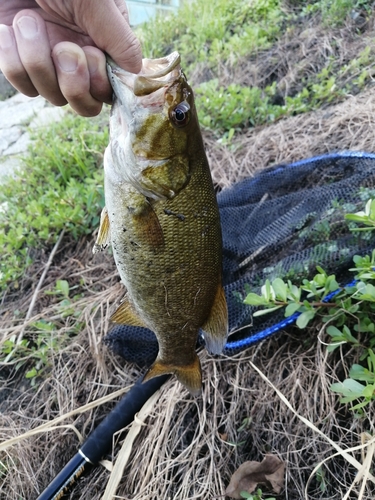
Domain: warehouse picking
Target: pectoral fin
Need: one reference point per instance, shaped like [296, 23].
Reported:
[147, 226]
[215, 328]
[103, 237]
[189, 376]
[125, 315]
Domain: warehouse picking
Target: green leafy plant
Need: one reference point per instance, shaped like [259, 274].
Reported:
[223, 28]
[346, 312]
[234, 107]
[230, 31]
[257, 495]
[44, 338]
[335, 12]
[59, 188]
[33, 353]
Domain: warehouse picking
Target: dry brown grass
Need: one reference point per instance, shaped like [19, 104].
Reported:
[348, 125]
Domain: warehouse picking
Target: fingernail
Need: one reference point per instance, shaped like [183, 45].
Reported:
[67, 61]
[28, 27]
[6, 38]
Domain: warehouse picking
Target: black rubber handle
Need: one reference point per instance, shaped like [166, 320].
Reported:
[99, 442]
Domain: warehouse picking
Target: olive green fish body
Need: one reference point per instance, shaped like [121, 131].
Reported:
[163, 219]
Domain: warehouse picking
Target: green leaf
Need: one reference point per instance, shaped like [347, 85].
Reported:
[359, 217]
[334, 332]
[368, 391]
[291, 309]
[332, 284]
[372, 210]
[267, 291]
[350, 389]
[44, 325]
[347, 334]
[304, 318]
[368, 208]
[321, 270]
[294, 292]
[262, 312]
[252, 299]
[280, 289]
[31, 373]
[63, 287]
[245, 494]
[358, 372]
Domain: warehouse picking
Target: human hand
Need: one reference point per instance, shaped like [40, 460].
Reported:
[56, 49]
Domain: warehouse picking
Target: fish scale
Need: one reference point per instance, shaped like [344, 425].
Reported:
[162, 218]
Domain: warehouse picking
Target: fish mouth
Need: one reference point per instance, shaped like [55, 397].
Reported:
[154, 75]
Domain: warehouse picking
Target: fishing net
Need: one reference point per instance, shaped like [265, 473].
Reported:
[283, 222]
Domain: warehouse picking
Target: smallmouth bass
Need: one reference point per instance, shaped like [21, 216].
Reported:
[162, 218]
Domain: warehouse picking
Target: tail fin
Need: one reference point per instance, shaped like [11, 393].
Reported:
[189, 375]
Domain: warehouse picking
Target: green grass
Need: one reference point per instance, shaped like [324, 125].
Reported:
[60, 187]
[335, 12]
[213, 32]
[222, 33]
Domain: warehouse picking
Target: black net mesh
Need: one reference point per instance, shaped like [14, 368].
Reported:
[282, 222]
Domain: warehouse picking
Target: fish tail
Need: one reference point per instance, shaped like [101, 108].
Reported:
[189, 375]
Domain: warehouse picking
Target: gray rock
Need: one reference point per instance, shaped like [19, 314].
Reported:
[20, 110]
[9, 136]
[20, 146]
[16, 114]
[47, 116]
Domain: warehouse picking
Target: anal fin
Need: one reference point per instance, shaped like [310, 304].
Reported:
[103, 237]
[215, 328]
[125, 315]
[189, 375]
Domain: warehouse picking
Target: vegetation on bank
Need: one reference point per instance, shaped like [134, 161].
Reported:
[241, 31]
[63, 185]
[61, 188]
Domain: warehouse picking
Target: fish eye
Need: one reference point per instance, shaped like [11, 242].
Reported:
[180, 115]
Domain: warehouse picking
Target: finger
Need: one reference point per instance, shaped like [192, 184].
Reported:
[11, 65]
[35, 53]
[74, 78]
[100, 88]
[122, 7]
[114, 36]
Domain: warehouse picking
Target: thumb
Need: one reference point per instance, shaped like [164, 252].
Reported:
[107, 25]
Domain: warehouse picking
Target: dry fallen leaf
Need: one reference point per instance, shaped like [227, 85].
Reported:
[224, 436]
[269, 473]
